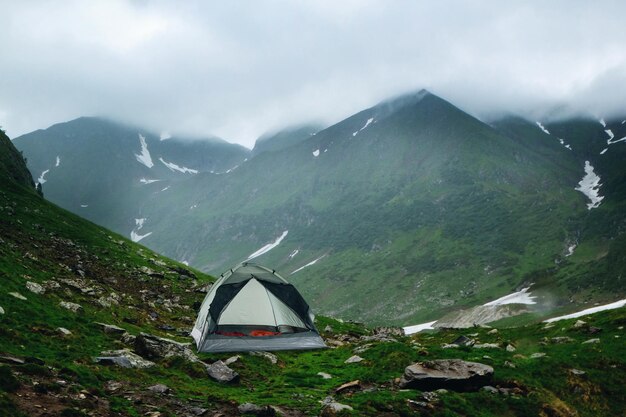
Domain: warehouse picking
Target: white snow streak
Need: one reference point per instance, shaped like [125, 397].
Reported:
[136, 237]
[519, 297]
[173, 167]
[604, 151]
[294, 253]
[590, 186]
[419, 327]
[307, 265]
[610, 133]
[144, 157]
[268, 247]
[41, 179]
[570, 250]
[612, 306]
[193, 207]
[564, 144]
[84, 205]
[166, 188]
[165, 136]
[602, 122]
[316, 153]
[546, 131]
[58, 161]
[145, 181]
[369, 121]
[610, 141]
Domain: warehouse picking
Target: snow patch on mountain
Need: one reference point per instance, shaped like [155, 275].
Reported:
[369, 121]
[592, 310]
[307, 265]
[134, 235]
[519, 297]
[42, 179]
[604, 151]
[173, 167]
[570, 250]
[268, 247]
[58, 162]
[316, 153]
[164, 135]
[590, 186]
[564, 144]
[84, 205]
[166, 188]
[144, 157]
[602, 122]
[146, 181]
[546, 131]
[419, 327]
[294, 253]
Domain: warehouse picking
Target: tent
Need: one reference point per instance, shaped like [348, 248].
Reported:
[251, 307]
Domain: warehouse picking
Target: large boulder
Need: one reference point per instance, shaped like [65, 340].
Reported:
[454, 374]
[154, 347]
[220, 372]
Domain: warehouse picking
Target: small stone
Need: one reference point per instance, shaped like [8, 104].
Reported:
[324, 375]
[159, 389]
[490, 389]
[328, 329]
[509, 364]
[35, 288]
[354, 359]
[71, 306]
[537, 355]
[112, 386]
[232, 360]
[463, 341]
[349, 386]
[493, 331]
[487, 346]
[577, 371]
[1, 310]
[222, 373]
[591, 341]
[63, 331]
[594, 330]
[18, 296]
[269, 356]
[110, 328]
[249, 408]
[561, 339]
[510, 348]
[579, 324]
[332, 408]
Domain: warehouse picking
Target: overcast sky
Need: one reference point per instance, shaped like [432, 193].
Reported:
[237, 69]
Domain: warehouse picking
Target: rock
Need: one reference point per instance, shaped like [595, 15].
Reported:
[509, 364]
[360, 349]
[579, 324]
[324, 375]
[510, 348]
[13, 360]
[249, 408]
[561, 339]
[354, 359]
[110, 328]
[128, 339]
[198, 411]
[73, 307]
[269, 356]
[328, 329]
[63, 331]
[331, 408]
[222, 373]
[454, 374]
[18, 296]
[490, 389]
[35, 288]
[1, 310]
[537, 355]
[594, 330]
[463, 341]
[591, 341]
[112, 386]
[577, 371]
[232, 359]
[487, 346]
[159, 389]
[124, 358]
[154, 347]
[493, 331]
[349, 386]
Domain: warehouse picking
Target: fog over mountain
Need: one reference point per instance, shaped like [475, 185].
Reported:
[238, 70]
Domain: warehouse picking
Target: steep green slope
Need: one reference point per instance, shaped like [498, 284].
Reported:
[284, 138]
[93, 167]
[409, 207]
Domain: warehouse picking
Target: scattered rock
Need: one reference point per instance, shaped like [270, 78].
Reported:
[124, 358]
[249, 408]
[591, 341]
[324, 375]
[63, 331]
[454, 374]
[112, 386]
[577, 371]
[73, 307]
[154, 347]
[360, 349]
[561, 339]
[493, 331]
[128, 339]
[490, 389]
[486, 346]
[232, 359]
[222, 373]
[510, 348]
[18, 296]
[331, 408]
[579, 324]
[537, 355]
[509, 364]
[354, 359]
[328, 329]
[35, 288]
[349, 386]
[460, 341]
[1, 310]
[110, 328]
[594, 330]
[269, 356]
[198, 411]
[159, 389]
[14, 360]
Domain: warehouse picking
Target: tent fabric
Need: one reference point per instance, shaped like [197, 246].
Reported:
[251, 307]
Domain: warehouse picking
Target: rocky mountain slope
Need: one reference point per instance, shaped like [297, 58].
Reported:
[406, 211]
[92, 324]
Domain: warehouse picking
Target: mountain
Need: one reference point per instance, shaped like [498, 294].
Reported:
[284, 138]
[92, 324]
[405, 211]
[104, 171]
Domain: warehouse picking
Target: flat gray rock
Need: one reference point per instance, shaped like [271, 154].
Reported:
[220, 372]
[454, 374]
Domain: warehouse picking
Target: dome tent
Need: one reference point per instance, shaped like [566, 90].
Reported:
[251, 307]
